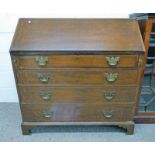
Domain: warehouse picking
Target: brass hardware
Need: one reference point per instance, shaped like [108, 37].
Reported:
[43, 77]
[109, 95]
[111, 77]
[112, 61]
[45, 95]
[41, 60]
[48, 114]
[108, 114]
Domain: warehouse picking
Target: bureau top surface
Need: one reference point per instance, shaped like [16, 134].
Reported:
[77, 35]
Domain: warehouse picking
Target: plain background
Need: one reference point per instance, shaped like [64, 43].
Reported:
[10, 10]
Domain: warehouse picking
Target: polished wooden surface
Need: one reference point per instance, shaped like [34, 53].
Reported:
[70, 76]
[77, 34]
[63, 74]
[76, 61]
[76, 112]
[74, 94]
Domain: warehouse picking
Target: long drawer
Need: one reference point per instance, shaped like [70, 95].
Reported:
[46, 95]
[76, 113]
[69, 61]
[78, 76]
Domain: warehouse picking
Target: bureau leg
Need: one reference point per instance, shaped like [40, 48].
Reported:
[26, 129]
[129, 127]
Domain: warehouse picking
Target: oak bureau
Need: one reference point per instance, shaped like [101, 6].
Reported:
[77, 71]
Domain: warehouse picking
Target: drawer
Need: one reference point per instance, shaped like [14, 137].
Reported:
[69, 61]
[76, 113]
[78, 76]
[92, 95]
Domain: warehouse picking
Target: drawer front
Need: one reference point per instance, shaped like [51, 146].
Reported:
[70, 61]
[92, 95]
[76, 113]
[78, 76]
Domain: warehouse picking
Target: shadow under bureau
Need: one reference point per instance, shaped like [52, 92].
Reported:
[78, 71]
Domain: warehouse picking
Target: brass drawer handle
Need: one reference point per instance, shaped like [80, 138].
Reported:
[47, 114]
[111, 77]
[109, 95]
[108, 114]
[43, 78]
[112, 61]
[41, 60]
[45, 95]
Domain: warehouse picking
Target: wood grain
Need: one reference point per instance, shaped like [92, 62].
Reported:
[81, 76]
[75, 61]
[71, 95]
[76, 112]
[77, 34]
[76, 64]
